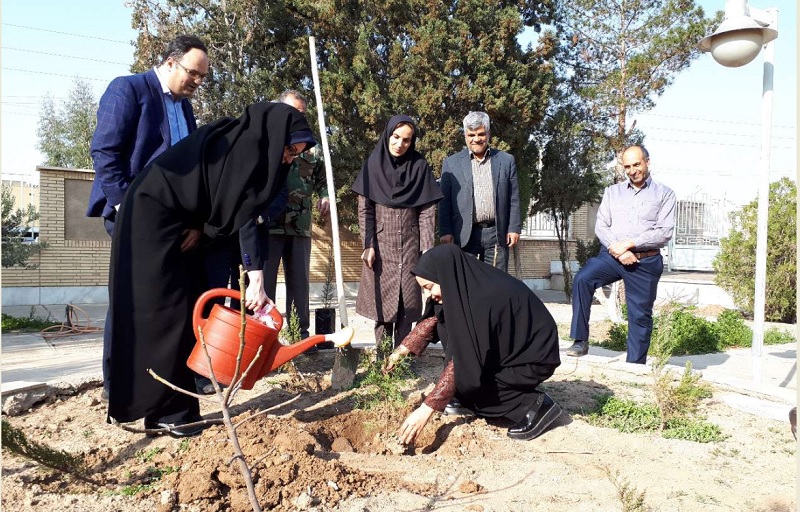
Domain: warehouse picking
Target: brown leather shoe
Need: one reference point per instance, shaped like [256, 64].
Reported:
[578, 349]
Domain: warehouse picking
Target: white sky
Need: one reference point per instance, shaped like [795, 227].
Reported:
[704, 134]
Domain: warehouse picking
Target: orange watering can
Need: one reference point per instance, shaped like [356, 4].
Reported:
[221, 334]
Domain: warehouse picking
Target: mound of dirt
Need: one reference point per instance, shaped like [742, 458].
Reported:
[313, 450]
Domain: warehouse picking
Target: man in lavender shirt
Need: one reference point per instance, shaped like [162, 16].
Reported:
[635, 220]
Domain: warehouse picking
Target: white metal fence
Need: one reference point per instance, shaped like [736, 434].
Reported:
[701, 221]
[541, 226]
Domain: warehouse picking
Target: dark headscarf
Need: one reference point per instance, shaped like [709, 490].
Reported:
[493, 320]
[239, 162]
[403, 182]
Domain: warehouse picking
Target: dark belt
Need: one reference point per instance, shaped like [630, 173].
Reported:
[646, 254]
[484, 224]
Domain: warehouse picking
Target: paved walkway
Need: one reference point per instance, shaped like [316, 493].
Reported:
[30, 360]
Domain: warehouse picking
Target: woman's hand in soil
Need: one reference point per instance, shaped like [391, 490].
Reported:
[414, 424]
[394, 359]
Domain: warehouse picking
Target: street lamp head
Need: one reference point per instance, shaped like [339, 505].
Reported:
[737, 41]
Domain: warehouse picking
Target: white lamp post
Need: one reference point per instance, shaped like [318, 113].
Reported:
[735, 43]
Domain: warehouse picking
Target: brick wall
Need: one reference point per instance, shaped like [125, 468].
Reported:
[79, 249]
[65, 262]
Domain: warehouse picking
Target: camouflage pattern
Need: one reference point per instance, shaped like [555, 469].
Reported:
[306, 176]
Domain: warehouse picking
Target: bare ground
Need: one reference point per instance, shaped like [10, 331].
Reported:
[318, 452]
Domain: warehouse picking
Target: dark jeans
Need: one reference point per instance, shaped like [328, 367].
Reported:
[641, 285]
[483, 243]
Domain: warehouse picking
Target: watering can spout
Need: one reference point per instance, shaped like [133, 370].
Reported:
[285, 353]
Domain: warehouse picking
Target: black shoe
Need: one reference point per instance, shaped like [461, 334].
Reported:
[176, 429]
[455, 408]
[204, 386]
[537, 420]
[578, 349]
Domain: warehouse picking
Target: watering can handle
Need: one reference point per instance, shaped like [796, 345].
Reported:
[214, 293]
[200, 305]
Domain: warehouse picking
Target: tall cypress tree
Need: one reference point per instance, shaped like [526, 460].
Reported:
[435, 61]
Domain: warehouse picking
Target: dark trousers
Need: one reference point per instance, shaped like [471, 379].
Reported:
[641, 285]
[109, 225]
[483, 243]
[295, 251]
[222, 260]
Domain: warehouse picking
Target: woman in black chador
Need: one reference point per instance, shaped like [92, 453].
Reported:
[499, 339]
[222, 175]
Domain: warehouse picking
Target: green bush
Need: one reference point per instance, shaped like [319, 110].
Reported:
[617, 338]
[695, 430]
[731, 330]
[690, 334]
[775, 336]
[29, 324]
[735, 263]
[625, 415]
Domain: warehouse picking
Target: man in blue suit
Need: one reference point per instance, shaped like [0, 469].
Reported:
[138, 118]
[480, 209]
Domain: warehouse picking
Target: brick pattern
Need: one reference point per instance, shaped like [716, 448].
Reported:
[65, 262]
[85, 263]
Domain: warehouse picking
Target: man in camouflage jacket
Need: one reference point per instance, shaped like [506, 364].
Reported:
[290, 234]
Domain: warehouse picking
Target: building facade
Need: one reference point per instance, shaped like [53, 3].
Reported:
[74, 268]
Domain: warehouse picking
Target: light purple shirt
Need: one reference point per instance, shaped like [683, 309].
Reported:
[646, 216]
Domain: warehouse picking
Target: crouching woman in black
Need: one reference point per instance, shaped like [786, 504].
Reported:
[500, 344]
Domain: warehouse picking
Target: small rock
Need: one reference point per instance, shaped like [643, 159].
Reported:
[395, 447]
[475, 507]
[470, 487]
[333, 485]
[15, 405]
[303, 501]
[168, 497]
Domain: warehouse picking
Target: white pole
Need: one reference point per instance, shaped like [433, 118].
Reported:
[763, 205]
[337, 254]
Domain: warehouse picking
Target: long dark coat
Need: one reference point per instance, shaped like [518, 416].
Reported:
[222, 175]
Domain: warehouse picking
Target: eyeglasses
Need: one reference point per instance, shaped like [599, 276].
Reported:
[194, 75]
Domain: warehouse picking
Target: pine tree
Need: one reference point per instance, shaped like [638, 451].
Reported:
[622, 55]
[569, 177]
[434, 61]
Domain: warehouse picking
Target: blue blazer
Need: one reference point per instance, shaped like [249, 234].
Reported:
[132, 129]
[455, 210]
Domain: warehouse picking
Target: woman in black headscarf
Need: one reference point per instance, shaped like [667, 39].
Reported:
[222, 175]
[397, 196]
[500, 344]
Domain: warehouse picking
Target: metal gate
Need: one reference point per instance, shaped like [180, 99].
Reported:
[700, 222]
